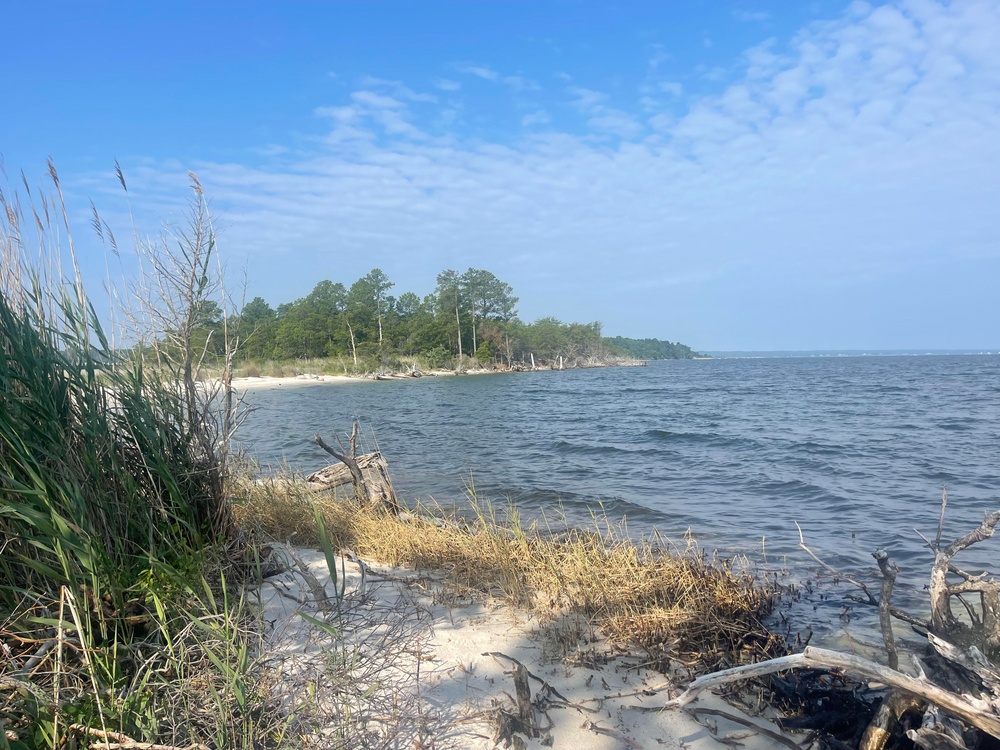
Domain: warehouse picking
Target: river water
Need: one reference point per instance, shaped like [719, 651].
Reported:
[856, 449]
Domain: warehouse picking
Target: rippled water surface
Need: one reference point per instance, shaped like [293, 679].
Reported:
[855, 449]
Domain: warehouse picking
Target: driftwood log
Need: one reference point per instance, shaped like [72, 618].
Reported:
[958, 679]
[368, 473]
[976, 711]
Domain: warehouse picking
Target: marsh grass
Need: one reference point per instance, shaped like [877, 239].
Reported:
[119, 607]
[677, 603]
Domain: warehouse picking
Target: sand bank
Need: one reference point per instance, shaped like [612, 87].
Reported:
[422, 664]
[265, 382]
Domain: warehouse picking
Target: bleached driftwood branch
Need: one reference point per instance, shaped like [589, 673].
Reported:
[975, 711]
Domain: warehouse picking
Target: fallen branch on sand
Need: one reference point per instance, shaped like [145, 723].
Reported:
[959, 675]
[977, 712]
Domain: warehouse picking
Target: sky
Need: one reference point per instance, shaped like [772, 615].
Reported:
[734, 175]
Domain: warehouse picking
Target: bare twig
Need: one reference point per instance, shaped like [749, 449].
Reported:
[802, 543]
[350, 459]
[940, 529]
[117, 741]
[885, 605]
[770, 734]
[869, 599]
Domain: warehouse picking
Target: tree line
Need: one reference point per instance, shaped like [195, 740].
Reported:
[470, 316]
[652, 348]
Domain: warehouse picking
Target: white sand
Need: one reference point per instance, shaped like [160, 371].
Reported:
[435, 670]
[264, 381]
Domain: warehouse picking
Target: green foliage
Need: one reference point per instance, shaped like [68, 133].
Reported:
[112, 502]
[484, 353]
[94, 456]
[467, 312]
[438, 358]
[652, 348]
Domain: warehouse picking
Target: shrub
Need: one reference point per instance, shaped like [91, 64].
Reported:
[438, 358]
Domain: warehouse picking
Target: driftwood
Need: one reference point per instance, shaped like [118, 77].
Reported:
[895, 706]
[958, 680]
[336, 475]
[978, 712]
[368, 473]
[984, 631]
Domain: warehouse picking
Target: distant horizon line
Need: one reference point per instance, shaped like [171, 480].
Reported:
[871, 352]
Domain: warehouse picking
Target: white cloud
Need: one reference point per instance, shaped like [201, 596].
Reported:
[715, 73]
[587, 99]
[516, 83]
[659, 56]
[601, 117]
[446, 84]
[479, 71]
[866, 146]
[388, 112]
[398, 90]
[540, 117]
[751, 16]
[376, 101]
[520, 83]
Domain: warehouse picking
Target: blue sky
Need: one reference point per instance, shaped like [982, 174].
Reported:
[733, 175]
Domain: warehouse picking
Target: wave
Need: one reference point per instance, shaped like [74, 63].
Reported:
[699, 438]
[567, 447]
[957, 425]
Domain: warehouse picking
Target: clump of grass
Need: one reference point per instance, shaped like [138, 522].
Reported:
[118, 613]
[674, 603]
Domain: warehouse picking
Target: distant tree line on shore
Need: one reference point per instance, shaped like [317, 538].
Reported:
[469, 318]
[652, 348]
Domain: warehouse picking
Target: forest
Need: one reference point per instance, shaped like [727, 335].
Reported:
[470, 318]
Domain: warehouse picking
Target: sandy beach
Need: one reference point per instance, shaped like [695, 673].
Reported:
[264, 382]
[435, 669]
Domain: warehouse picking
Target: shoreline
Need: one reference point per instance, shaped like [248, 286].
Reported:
[261, 382]
[267, 381]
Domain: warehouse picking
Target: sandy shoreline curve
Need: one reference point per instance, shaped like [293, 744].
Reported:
[264, 382]
[435, 668]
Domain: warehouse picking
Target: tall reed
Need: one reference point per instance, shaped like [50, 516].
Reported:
[111, 495]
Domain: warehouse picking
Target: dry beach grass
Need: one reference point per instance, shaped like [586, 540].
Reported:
[669, 601]
[436, 613]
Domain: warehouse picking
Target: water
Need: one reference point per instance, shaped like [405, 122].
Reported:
[856, 450]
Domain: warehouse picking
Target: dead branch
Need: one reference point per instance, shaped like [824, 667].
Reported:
[886, 719]
[349, 459]
[885, 605]
[943, 621]
[117, 741]
[970, 659]
[976, 712]
[769, 733]
[869, 599]
[802, 543]
[938, 732]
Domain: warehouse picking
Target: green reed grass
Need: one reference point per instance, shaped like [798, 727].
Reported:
[112, 515]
